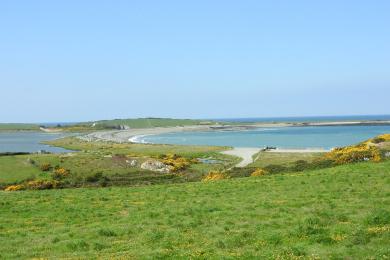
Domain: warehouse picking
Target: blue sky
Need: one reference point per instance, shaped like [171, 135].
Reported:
[88, 60]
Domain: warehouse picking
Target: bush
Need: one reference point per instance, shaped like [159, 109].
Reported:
[301, 165]
[42, 185]
[322, 163]
[378, 140]
[94, 177]
[259, 172]
[60, 173]
[274, 168]
[45, 167]
[14, 188]
[352, 154]
[175, 162]
[385, 137]
[215, 175]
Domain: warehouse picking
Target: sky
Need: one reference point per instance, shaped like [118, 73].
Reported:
[72, 61]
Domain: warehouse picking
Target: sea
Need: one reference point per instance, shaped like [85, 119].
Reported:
[314, 137]
[31, 142]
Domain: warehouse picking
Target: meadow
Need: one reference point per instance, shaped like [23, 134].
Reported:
[93, 204]
[340, 212]
[107, 164]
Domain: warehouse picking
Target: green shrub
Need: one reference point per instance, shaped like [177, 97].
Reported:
[301, 165]
[274, 168]
[378, 140]
[94, 177]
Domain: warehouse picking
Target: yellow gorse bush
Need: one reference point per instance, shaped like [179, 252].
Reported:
[215, 175]
[42, 185]
[14, 188]
[356, 153]
[61, 172]
[176, 162]
[34, 185]
[259, 172]
[386, 137]
[378, 139]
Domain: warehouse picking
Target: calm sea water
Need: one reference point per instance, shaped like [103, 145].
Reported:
[28, 142]
[282, 137]
[308, 118]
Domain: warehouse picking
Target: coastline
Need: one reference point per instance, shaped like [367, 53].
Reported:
[135, 134]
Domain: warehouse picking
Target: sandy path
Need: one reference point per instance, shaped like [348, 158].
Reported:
[245, 153]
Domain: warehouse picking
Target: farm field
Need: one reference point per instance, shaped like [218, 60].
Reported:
[340, 212]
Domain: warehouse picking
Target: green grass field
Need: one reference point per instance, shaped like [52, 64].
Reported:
[340, 213]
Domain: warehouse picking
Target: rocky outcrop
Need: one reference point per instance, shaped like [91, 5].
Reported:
[154, 165]
[132, 163]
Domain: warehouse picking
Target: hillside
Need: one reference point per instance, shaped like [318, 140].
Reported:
[132, 123]
[18, 127]
[340, 212]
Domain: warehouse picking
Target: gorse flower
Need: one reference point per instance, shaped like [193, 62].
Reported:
[42, 185]
[259, 172]
[14, 188]
[215, 175]
[175, 162]
[60, 173]
[356, 153]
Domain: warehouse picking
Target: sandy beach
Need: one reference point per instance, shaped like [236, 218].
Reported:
[135, 134]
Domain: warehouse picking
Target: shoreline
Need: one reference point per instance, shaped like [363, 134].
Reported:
[133, 135]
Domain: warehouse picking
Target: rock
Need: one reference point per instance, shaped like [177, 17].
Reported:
[154, 165]
[132, 163]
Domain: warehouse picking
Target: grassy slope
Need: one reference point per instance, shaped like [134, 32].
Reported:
[132, 123]
[284, 159]
[21, 127]
[338, 212]
[107, 124]
[16, 168]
